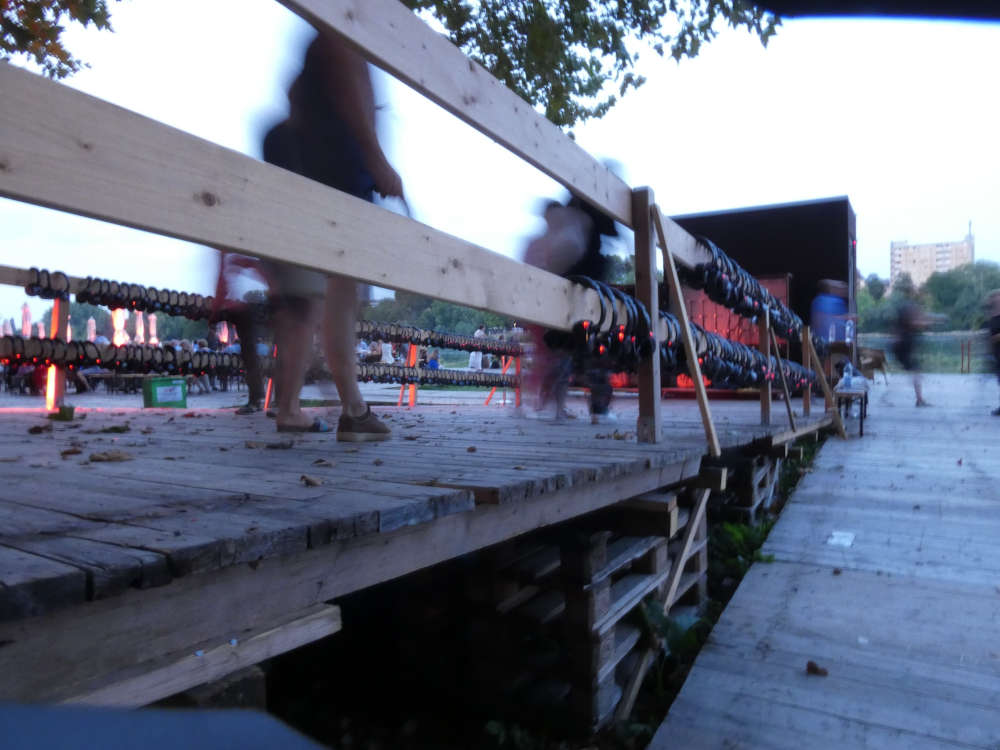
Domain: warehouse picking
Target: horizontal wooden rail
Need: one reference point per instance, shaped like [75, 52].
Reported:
[67, 150]
[394, 38]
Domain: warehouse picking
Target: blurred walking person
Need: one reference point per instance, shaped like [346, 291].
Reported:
[910, 324]
[329, 137]
[993, 325]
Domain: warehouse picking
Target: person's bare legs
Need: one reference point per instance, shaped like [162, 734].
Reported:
[918, 389]
[340, 340]
[293, 331]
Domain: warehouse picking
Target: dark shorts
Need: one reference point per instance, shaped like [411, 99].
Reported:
[326, 153]
[904, 351]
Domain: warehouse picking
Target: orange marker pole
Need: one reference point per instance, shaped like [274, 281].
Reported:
[411, 361]
[493, 390]
[270, 383]
[517, 391]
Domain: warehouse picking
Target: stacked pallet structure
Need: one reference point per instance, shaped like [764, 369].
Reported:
[561, 632]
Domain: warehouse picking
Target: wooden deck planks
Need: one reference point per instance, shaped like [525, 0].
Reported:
[210, 491]
[904, 619]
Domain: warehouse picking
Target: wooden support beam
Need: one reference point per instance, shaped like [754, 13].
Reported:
[807, 391]
[779, 451]
[784, 381]
[691, 351]
[827, 393]
[631, 692]
[764, 345]
[712, 478]
[213, 661]
[649, 428]
[677, 570]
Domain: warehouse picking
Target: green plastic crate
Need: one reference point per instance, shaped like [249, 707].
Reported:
[161, 393]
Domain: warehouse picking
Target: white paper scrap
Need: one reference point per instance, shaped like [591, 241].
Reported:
[841, 539]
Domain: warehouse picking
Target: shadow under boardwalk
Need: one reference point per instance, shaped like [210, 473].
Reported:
[887, 576]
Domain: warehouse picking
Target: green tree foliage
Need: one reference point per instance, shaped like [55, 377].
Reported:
[876, 286]
[573, 59]
[33, 29]
[959, 294]
[956, 296]
[904, 286]
[167, 326]
[79, 314]
[621, 269]
[170, 327]
[415, 310]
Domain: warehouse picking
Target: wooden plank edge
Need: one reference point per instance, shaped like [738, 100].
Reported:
[209, 662]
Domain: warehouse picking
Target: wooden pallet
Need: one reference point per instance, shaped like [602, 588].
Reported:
[605, 578]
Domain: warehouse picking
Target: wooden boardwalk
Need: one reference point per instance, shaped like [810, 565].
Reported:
[215, 528]
[906, 619]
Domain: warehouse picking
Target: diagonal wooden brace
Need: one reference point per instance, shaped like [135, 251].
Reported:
[818, 366]
[679, 309]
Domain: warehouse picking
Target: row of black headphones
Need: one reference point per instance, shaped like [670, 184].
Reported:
[622, 344]
[400, 334]
[379, 373]
[131, 358]
[729, 284]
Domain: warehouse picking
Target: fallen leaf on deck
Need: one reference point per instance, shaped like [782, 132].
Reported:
[10, 459]
[378, 462]
[146, 430]
[309, 481]
[322, 462]
[189, 415]
[814, 668]
[119, 428]
[281, 445]
[410, 437]
[74, 451]
[110, 456]
[519, 468]
[253, 444]
[39, 429]
[471, 449]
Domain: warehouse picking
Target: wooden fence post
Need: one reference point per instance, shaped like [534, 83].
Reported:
[764, 344]
[647, 291]
[55, 386]
[807, 391]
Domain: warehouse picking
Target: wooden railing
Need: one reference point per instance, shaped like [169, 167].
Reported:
[67, 150]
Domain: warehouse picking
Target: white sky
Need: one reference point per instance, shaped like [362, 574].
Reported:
[897, 115]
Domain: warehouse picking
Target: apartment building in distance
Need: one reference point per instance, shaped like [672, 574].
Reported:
[921, 260]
